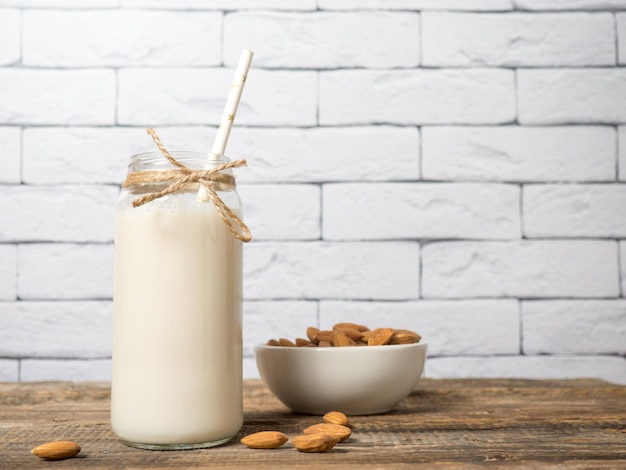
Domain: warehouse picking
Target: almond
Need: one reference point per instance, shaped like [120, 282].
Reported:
[351, 333]
[335, 430]
[311, 333]
[325, 335]
[351, 325]
[380, 337]
[341, 339]
[325, 344]
[264, 440]
[286, 342]
[336, 417]
[300, 342]
[404, 337]
[366, 335]
[273, 342]
[57, 450]
[318, 442]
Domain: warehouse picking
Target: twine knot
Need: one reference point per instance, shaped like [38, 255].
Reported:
[183, 177]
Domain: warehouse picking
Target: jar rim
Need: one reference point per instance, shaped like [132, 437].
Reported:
[156, 160]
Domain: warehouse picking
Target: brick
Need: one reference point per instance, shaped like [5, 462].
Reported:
[610, 368]
[620, 19]
[574, 327]
[58, 155]
[569, 4]
[621, 157]
[420, 210]
[395, 44]
[473, 5]
[375, 153]
[318, 270]
[60, 4]
[221, 4]
[448, 327]
[70, 330]
[282, 212]
[10, 154]
[409, 97]
[10, 20]
[572, 96]
[65, 271]
[597, 210]
[9, 370]
[531, 269]
[60, 213]
[8, 272]
[158, 97]
[192, 39]
[40, 96]
[75, 370]
[263, 320]
[512, 153]
[517, 39]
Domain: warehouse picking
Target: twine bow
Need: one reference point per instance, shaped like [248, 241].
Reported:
[183, 177]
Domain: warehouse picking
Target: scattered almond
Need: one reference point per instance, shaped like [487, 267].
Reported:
[57, 450]
[264, 440]
[318, 442]
[336, 430]
[336, 417]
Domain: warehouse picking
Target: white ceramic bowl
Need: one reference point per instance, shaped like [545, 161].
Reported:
[357, 380]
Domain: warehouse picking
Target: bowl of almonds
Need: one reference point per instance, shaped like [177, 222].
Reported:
[350, 368]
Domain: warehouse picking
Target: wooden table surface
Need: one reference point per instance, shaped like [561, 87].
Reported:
[469, 423]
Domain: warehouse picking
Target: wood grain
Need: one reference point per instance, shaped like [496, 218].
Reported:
[466, 423]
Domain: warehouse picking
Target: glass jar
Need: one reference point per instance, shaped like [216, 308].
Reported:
[177, 335]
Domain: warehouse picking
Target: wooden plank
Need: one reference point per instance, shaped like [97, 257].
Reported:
[451, 423]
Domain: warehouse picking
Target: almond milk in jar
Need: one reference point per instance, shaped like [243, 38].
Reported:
[177, 339]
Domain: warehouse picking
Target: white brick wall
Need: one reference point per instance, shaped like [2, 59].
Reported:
[63, 97]
[535, 269]
[273, 36]
[164, 38]
[595, 210]
[457, 167]
[420, 210]
[549, 96]
[521, 154]
[62, 329]
[85, 273]
[422, 96]
[518, 39]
